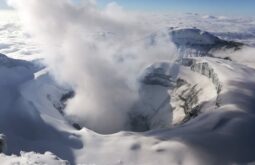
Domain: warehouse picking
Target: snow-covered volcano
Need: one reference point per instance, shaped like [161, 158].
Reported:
[196, 110]
[185, 104]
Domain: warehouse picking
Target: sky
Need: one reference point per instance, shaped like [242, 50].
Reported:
[3, 4]
[220, 7]
[227, 7]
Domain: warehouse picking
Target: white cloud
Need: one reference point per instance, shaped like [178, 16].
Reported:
[99, 52]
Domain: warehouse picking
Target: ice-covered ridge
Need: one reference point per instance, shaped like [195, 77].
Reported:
[226, 77]
[205, 69]
[192, 36]
[193, 42]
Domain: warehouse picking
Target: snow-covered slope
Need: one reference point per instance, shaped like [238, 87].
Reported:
[28, 116]
[32, 158]
[184, 138]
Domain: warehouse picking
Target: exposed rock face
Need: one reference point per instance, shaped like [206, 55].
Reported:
[2, 143]
[204, 69]
[158, 79]
[185, 102]
[158, 75]
[60, 105]
[139, 122]
[67, 96]
[187, 62]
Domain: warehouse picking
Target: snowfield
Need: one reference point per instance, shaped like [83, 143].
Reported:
[32, 158]
[198, 109]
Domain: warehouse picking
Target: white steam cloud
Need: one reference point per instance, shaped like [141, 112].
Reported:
[100, 52]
